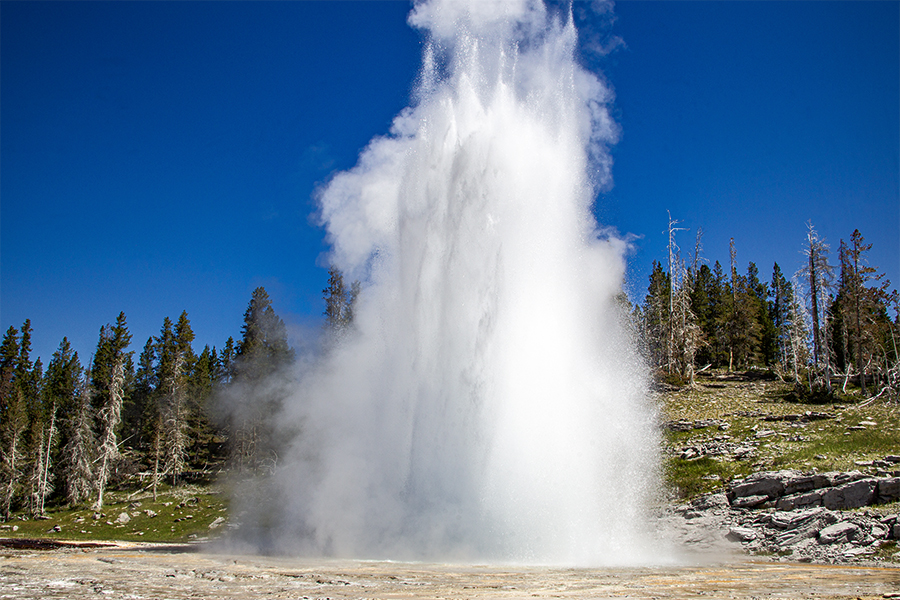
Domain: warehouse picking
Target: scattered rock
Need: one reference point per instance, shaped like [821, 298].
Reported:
[850, 495]
[741, 534]
[749, 501]
[742, 452]
[888, 490]
[839, 532]
[150, 513]
[767, 483]
[797, 484]
[123, 518]
[795, 501]
[797, 515]
[691, 453]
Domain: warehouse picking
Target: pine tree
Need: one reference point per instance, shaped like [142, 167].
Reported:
[340, 302]
[203, 381]
[862, 308]
[139, 409]
[21, 419]
[226, 362]
[657, 318]
[739, 318]
[255, 392]
[704, 296]
[13, 420]
[80, 446]
[764, 349]
[28, 379]
[61, 391]
[108, 380]
[780, 315]
[173, 348]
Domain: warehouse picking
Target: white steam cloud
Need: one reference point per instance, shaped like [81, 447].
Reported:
[490, 404]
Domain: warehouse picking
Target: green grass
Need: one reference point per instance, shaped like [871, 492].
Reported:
[686, 477]
[821, 445]
[182, 514]
[887, 550]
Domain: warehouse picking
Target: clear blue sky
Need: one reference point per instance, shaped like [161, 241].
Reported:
[161, 156]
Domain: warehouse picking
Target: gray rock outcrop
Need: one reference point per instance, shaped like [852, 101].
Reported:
[790, 489]
[796, 516]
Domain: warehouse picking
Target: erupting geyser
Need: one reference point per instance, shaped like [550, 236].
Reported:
[490, 404]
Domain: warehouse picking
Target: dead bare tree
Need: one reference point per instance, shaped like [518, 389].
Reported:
[41, 486]
[79, 449]
[13, 427]
[819, 275]
[110, 417]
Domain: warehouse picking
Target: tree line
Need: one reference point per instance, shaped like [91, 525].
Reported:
[71, 430]
[827, 324]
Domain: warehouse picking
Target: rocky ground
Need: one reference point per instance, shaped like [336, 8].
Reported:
[147, 572]
[756, 470]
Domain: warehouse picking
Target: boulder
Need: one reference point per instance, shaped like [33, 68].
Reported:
[797, 526]
[888, 490]
[742, 452]
[839, 532]
[123, 518]
[879, 532]
[711, 502]
[796, 501]
[749, 501]
[787, 539]
[806, 483]
[850, 495]
[741, 534]
[767, 483]
[800, 518]
[840, 478]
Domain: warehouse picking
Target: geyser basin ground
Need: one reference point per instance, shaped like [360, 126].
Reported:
[138, 572]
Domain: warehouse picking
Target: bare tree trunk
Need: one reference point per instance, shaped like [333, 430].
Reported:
[814, 296]
[45, 466]
[11, 460]
[156, 444]
[110, 416]
[857, 292]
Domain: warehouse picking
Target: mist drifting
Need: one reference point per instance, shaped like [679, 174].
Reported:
[489, 404]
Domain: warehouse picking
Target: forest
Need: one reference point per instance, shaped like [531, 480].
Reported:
[71, 430]
[828, 325]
